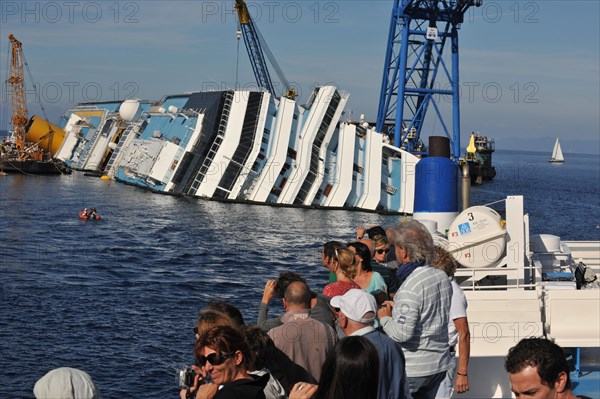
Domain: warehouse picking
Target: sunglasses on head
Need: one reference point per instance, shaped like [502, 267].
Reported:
[380, 251]
[214, 358]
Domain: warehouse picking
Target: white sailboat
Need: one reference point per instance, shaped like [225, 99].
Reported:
[557, 155]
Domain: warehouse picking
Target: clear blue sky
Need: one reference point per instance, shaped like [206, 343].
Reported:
[529, 69]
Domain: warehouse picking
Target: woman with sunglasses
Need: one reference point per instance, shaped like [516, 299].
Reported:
[369, 280]
[382, 247]
[223, 359]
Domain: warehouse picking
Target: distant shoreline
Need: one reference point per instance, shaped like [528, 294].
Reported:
[4, 133]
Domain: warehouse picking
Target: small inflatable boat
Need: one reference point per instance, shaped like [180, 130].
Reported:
[87, 215]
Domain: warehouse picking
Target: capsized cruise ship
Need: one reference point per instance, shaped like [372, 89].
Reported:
[243, 145]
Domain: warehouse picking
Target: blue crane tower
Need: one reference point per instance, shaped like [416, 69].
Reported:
[257, 48]
[415, 73]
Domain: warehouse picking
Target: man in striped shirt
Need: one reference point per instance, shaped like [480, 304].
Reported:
[418, 317]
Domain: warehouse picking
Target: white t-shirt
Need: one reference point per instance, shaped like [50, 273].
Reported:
[458, 309]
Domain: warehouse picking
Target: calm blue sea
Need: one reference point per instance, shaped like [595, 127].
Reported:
[119, 297]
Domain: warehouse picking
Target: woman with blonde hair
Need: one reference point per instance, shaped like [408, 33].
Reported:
[345, 270]
[382, 246]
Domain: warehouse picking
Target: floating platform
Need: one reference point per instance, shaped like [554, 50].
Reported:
[32, 167]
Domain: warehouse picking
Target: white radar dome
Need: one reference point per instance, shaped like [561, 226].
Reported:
[130, 110]
[112, 146]
[477, 237]
[173, 109]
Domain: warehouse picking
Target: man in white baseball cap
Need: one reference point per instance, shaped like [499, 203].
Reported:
[65, 383]
[356, 311]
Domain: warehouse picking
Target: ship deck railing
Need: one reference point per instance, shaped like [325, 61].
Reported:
[499, 278]
[507, 304]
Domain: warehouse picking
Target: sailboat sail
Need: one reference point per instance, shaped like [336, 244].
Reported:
[557, 155]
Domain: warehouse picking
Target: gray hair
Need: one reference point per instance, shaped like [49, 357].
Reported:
[415, 239]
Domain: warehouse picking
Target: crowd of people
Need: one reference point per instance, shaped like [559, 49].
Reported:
[391, 323]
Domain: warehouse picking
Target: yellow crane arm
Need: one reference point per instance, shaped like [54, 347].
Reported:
[242, 10]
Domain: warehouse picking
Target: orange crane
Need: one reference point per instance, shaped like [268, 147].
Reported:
[26, 153]
[16, 84]
[31, 136]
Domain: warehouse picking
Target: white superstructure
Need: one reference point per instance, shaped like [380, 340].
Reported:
[528, 288]
[243, 145]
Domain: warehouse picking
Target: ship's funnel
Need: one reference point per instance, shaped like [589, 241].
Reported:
[436, 196]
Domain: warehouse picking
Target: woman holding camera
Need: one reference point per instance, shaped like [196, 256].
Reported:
[223, 357]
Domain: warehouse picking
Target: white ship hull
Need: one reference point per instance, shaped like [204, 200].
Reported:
[241, 145]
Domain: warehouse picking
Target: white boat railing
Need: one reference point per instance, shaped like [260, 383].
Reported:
[487, 279]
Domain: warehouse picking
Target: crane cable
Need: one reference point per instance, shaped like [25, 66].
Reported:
[50, 134]
[238, 34]
[6, 88]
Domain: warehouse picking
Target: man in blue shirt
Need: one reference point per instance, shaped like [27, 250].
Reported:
[356, 311]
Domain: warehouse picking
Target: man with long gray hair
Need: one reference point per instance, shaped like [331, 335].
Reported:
[418, 317]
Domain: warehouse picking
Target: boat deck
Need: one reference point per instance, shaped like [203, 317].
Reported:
[587, 381]
[588, 384]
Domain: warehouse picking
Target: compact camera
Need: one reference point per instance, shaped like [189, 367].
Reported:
[186, 377]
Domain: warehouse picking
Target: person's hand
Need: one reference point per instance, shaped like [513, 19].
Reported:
[268, 292]
[462, 383]
[207, 391]
[197, 378]
[385, 310]
[360, 232]
[303, 390]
